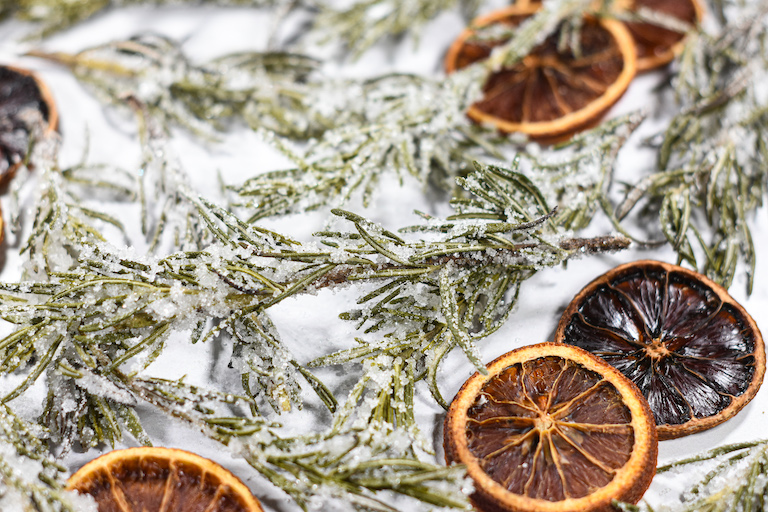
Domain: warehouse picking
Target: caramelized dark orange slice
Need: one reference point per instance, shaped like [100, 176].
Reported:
[694, 352]
[24, 102]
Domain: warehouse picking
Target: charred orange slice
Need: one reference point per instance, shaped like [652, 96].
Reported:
[551, 92]
[694, 352]
[658, 44]
[161, 479]
[552, 428]
[24, 101]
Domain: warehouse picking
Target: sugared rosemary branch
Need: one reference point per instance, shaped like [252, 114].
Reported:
[349, 465]
[404, 124]
[94, 329]
[712, 158]
[23, 453]
[272, 91]
[365, 22]
[56, 15]
[736, 482]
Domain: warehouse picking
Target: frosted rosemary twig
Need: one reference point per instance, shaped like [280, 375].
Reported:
[349, 465]
[403, 124]
[56, 15]
[712, 157]
[579, 174]
[441, 295]
[736, 482]
[23, 453]
[264, 90]
[363, 23]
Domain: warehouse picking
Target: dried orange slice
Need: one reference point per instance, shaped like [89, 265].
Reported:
[657, 45]
[24, 101]
[551, 92]
[694, 352]
[154, 479]
[552, 428]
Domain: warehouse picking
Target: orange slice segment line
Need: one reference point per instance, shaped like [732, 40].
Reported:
[499, 419]
[558, 464]
[514, 443]
[586, 454]
[579, 79]
[524, 388]
[561, 104]
[536, 455]
[555, 383]
[167, 488]
[115, 491]
[528, 94]
[501, 88]
[509, 402]
[211, 506]
[594, 427]
[566, 407]
[595, 58]
[635, 343]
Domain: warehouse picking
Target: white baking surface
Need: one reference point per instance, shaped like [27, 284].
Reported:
[309, 324]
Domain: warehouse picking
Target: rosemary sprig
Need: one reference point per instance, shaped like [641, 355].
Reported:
[711, 159]
[406, 124]
[53, 16]
[736, 482]
[23, 453]
[453, 292]
[578, 174]
[365, 22]
[352, 462]
[263, 90]
[95, 328]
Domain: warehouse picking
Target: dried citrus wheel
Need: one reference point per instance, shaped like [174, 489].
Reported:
[693, 351]
[551, 92]
[552, 428]
[24, 101]
[154, 479]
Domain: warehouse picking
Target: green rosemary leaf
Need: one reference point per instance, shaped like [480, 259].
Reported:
[36, 371]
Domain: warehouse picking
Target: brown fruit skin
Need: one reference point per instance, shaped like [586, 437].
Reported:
[647, 466]
[697, 424]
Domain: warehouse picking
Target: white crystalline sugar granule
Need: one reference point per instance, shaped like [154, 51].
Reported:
[103, 387]
[68, 405]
